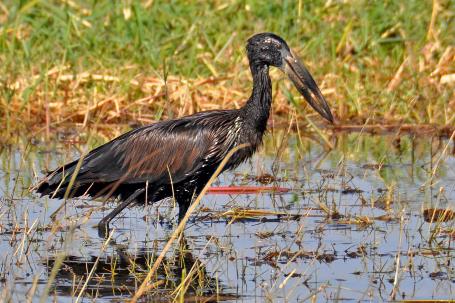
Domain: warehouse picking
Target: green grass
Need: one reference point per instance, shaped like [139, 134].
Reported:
[353, 49]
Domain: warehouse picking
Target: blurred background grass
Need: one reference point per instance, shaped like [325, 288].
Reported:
[113, 62]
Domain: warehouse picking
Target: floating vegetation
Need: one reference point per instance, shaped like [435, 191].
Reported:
[438, 215]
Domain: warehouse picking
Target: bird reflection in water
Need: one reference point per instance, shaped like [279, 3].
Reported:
[120, 274]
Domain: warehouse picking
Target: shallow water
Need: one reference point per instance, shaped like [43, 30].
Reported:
[350, 229]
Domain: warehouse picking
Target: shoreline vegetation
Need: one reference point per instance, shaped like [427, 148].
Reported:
[381, 66]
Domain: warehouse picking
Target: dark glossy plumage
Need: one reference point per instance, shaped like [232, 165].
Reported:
[181, 155]
[182, 152]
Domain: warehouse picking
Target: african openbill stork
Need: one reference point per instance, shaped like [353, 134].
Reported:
[177, 157]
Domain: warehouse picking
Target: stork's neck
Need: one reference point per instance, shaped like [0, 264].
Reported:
[257, 108]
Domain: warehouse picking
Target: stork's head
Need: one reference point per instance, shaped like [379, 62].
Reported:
[271, 50]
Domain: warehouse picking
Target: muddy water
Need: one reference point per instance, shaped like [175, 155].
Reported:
[350, 228]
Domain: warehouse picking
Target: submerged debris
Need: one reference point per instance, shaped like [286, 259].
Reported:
[438, 215]
[285, 256]
[266, 179]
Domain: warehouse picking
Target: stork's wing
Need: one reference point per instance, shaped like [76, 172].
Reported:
[153, 154]
[161, 153]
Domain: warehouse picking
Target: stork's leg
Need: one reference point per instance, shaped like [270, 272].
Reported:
[103, 225]
[183, 207]
[184, 203]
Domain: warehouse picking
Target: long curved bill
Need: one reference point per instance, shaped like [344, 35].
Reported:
[306, 85]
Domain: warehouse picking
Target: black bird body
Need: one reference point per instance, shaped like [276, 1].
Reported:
[174, 155]
[178, 157]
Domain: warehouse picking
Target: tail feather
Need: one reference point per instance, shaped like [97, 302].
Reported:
[56, 182]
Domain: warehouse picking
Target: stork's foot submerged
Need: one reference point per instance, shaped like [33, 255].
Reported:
[103, 228]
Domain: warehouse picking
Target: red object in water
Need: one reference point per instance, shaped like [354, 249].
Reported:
[246, 189]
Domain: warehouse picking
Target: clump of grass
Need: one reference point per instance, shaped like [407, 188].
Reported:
[68, 61]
